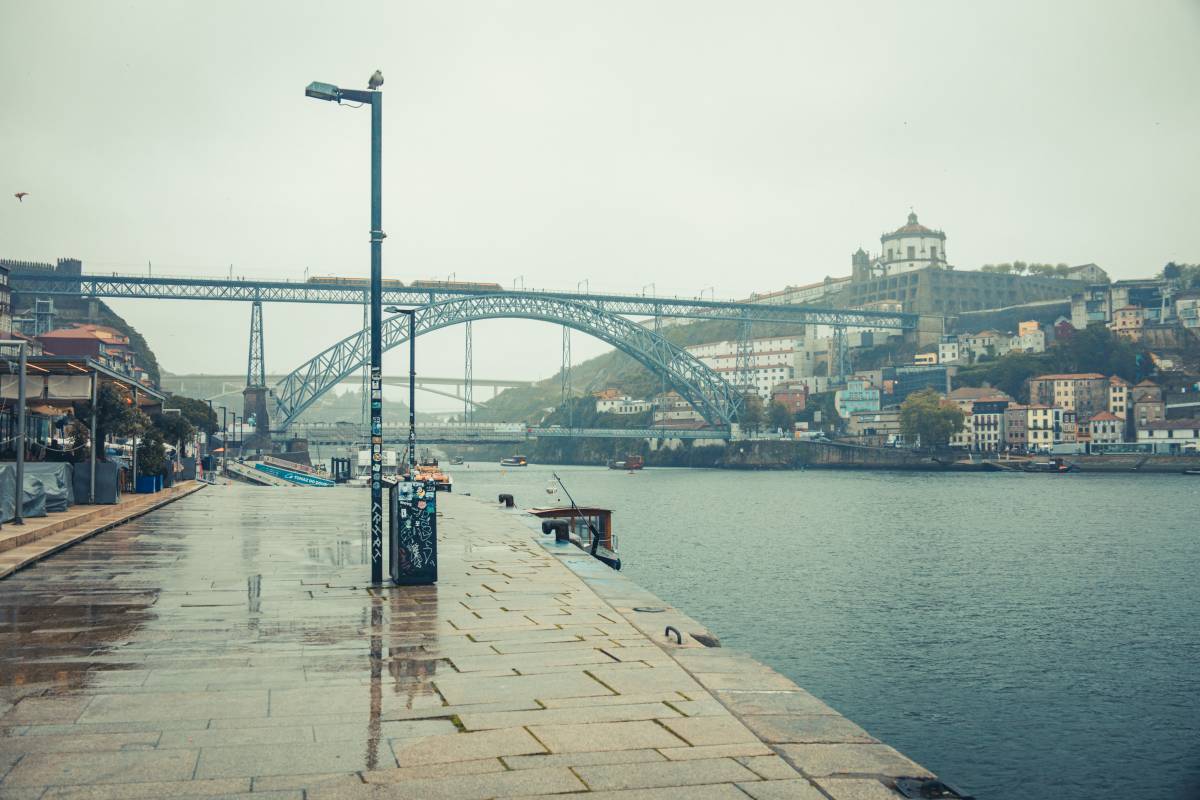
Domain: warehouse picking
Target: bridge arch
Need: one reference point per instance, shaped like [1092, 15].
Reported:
[716, 400]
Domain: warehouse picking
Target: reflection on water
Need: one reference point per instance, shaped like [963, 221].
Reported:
[1003, 629]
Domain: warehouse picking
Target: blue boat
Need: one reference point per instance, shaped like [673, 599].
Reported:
[295, 476]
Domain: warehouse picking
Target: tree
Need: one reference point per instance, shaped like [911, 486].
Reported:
[197, 412]
[115, 415]
[781, 419]
[151, 454]
[925, 415]
[752, 416]
[175, 428]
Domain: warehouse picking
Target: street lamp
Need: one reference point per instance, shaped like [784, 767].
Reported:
[224, 441]
[327, 91]
[412, 386]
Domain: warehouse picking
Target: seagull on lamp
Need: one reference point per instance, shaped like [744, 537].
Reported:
[376, 81]
[21, 196]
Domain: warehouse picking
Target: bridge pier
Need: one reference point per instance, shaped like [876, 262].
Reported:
[254, 397]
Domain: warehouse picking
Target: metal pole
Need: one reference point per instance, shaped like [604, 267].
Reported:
[92, 485]
[208, 434]
[224, 441]
[412, 393]
[135, 475]
[376, 337]
[20, 502]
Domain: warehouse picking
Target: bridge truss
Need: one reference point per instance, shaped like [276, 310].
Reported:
[161, 288]
[708, 392]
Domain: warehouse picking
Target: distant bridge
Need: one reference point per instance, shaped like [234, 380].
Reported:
[347, 434]
[233, 384]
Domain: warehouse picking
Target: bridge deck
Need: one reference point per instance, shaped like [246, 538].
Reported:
[227, 645]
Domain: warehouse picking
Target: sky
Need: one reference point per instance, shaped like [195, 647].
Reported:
[663, 147]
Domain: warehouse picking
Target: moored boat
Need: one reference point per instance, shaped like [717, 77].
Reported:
[429, 471]
[514, 461]
[632, 462]
[587, 527]
[1054, 465]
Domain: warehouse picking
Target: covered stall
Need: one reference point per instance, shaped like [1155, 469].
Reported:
[54, 387]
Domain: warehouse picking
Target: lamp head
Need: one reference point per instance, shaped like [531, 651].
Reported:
[323, 91]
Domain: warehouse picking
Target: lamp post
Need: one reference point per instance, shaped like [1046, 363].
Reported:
[412, 385]
[224, 441]
[326, 91]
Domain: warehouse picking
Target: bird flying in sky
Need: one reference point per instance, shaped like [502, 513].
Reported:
[22, 195]
[376, 81]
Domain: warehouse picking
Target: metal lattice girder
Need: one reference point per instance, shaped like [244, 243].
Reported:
[468, 374]
[707, 391]
[141, 286]
[743, 368]
[256, 370]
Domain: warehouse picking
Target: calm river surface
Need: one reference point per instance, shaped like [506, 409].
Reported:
[1021, 635]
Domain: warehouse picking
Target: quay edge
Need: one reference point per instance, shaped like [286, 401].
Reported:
[828, 749]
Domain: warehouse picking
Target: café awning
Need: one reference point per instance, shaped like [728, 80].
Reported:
[56, 383]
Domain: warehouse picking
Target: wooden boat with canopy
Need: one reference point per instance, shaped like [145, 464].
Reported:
[587, 527]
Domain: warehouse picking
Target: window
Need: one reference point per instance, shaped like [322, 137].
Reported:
[912, 251]
[933, 252]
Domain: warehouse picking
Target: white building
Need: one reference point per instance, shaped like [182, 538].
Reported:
[1187, 310]
[772, 360]
[1032, 341]
[621, 404]
[911, 247]
[1106, 428]
[792, 295]
[948, 350]
[1170, 435]
[672, 408]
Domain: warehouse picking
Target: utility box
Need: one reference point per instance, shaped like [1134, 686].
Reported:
[412, 529]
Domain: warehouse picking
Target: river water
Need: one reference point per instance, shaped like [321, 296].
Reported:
[1021, 635]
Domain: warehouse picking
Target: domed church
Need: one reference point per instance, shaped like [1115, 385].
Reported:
[911, 247]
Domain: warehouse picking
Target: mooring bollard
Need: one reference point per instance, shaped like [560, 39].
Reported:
[507, 499]
[558, 527]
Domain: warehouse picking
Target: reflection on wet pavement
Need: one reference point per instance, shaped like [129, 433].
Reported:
[238, 615]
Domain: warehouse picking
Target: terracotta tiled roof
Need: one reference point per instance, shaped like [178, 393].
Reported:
[1070, 376]
[1117, 380]
[1105, 416]
[977, 393]
[102, 333]
[1169, 424]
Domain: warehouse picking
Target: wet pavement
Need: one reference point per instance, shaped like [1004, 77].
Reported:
[229, 644]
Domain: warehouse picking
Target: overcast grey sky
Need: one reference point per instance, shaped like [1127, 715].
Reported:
[690, 144]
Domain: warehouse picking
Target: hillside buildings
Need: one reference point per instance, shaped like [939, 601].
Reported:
[613, 401]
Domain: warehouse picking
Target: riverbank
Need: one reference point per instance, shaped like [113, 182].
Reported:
[776, 454]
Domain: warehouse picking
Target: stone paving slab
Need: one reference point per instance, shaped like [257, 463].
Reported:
[40, 537]
[229, 645]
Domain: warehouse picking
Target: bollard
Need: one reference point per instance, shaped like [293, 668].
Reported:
[507, 499]
[558, 527]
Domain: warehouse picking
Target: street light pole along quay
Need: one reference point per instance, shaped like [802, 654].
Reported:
[326, 91]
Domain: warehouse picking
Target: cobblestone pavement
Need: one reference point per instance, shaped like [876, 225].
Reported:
[228, 645]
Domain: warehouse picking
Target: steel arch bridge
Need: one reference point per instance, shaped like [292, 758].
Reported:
[711, 395]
